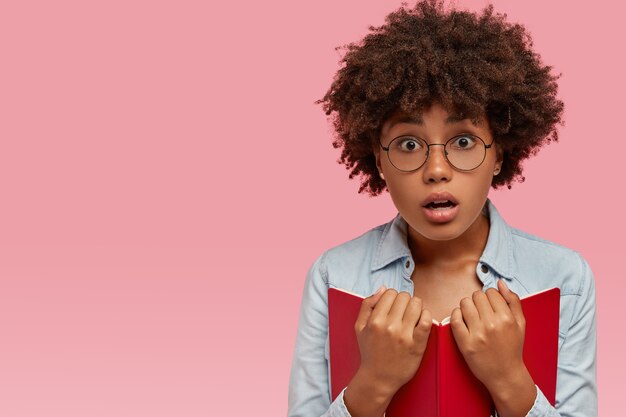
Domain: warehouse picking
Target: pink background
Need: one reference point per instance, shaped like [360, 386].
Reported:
[166, 181]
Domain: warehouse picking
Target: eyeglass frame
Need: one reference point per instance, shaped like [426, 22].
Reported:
[445, 153]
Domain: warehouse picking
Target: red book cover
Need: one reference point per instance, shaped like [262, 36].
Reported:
[443, 385]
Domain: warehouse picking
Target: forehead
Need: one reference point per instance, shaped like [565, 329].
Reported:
[418, 120]
[450, 118]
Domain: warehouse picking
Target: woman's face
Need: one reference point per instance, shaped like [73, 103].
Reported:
[410, 191]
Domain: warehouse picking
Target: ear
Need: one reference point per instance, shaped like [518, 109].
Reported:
[376, 151]
[499, 156]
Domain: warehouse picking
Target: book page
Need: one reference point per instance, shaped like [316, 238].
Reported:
[446, 320]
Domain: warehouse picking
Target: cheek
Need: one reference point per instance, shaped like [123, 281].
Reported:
[403, 189]
[485, 171]
[487, 175]
[483, 180]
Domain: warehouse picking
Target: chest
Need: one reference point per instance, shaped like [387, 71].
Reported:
[442, 290]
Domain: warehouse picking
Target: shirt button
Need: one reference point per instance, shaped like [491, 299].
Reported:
[484, 268]
[407, 264]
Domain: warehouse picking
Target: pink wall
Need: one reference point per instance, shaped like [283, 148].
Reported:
[166, 181]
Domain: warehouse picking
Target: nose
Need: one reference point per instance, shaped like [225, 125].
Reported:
[437, 168]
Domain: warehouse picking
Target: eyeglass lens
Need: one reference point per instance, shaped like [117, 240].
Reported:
[464, 152]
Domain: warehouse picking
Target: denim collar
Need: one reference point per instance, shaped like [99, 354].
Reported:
[498, 253]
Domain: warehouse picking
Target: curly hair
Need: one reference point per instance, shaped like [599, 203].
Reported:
[474, 64]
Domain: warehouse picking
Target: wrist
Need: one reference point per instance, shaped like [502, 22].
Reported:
[366, 397]
[515, 394]
[375, 389]
[514, 378]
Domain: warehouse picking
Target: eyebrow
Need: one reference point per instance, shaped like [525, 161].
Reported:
[453, 118]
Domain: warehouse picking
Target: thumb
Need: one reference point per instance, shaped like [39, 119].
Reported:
[376, 296]
[507, 294]
[372, 300]
[367, 305]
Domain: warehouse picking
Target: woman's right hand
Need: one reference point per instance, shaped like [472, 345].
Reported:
[392, 331]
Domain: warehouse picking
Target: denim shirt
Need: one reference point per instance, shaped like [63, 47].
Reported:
[381, 256]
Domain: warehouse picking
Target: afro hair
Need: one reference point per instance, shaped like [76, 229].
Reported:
[475, 63]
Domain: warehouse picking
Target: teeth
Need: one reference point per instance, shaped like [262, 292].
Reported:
[440, 205]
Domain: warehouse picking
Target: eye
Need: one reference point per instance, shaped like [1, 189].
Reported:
[409, 144]
[463, 142]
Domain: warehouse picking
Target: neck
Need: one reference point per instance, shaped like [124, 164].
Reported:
[448, 253]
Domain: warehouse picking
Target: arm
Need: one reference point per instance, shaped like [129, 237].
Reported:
[392, 335]
[309, 387]
[576, 389]
[491, 344]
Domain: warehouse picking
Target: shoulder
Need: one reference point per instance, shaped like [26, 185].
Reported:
[541, 263]
[346, 264]
[524, 241]
[534, 264]
[355, 249]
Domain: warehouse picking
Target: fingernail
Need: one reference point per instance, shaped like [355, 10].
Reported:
[380, 290]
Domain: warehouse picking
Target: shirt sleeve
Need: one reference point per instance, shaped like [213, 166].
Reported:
[309, 387]
[576, 388]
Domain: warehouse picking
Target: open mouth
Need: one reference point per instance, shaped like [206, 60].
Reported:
[440, 205]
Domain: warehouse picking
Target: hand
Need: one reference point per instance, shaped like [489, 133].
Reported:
[489, 331]
[392, 331]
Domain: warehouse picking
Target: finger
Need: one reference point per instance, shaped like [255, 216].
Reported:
[399, 305]
[469, 313]
[381, 310]
[485, 311]
[367, 305]
[458, 326]
[412, 313]
[512, 300]
[423, 326]
[497, 301]
[379, 293]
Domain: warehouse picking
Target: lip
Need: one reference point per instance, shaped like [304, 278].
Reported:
[440, 196]
[440, 215]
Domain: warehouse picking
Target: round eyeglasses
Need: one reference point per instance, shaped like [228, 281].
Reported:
[464, 152]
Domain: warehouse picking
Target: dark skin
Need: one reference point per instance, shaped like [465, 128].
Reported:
[392, 328]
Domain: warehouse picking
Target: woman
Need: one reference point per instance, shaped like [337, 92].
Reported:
[437, 107]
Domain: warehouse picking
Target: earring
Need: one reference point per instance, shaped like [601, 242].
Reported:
[381, 175]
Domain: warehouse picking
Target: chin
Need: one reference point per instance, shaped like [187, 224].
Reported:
[440, 232]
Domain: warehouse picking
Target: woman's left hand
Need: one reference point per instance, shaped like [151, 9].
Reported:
[489, 331]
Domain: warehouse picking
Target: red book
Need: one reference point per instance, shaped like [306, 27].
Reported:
[443, 385]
